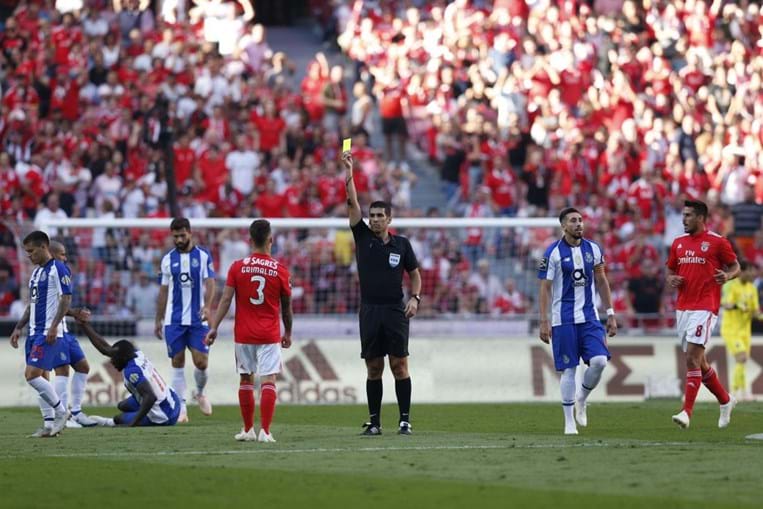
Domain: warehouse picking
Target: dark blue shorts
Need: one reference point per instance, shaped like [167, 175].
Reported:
[180, 337]
[73, 349]
[44, 356]
[573, 342]
[132, 406]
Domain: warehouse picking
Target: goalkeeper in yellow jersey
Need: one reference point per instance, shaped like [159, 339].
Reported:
[740, 306]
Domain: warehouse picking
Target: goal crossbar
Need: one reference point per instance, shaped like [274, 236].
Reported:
[333, 222]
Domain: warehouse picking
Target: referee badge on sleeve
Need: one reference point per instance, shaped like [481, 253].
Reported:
[543, 264]
[394, 260]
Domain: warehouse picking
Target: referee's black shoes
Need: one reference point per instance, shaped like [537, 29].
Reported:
[405, 428]
[371, 430]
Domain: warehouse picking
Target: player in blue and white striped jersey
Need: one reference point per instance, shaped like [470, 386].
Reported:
[49, 299]
[75, 358]
[151, 402]
[570, 272]
[185, 296]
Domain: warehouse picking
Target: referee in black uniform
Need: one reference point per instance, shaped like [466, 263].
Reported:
[381, 259]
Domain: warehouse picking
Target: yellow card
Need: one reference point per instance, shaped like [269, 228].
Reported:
[346, 144]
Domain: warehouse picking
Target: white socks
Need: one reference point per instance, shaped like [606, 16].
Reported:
[48, 414]
[201, 380]
[61, 384]
[567, 386]
[178, 383]
[47, 393]
[79, 381]
[592, 376]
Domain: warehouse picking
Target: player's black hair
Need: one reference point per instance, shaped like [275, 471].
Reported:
[700, 208]
[123, 352]
[379, 204]
[180, 223]
[37, 238]
[259, 231]
[744, 265]
[565, 212]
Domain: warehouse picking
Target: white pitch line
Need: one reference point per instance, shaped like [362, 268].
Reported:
[319, 450]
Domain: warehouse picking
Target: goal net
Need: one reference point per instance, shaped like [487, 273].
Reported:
[471, 268]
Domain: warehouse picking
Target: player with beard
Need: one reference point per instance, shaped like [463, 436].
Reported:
[382, 259]
[185, 297]
[700, 262]
[571, 272]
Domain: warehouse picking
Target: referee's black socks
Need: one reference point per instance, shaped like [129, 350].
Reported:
[403, 391]
[374, 391]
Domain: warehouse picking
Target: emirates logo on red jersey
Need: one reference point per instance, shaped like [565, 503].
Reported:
[691, 258]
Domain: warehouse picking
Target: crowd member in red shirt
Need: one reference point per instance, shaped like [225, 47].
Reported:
[212, 173]
[331, 186]
[295, 203]
[228, 200]
[9, 184]
[269, 203]
[392, 109]
[262, 290]
[185, 160]
[271, 129]
[312, 88]
[700, 262]
[637, 252]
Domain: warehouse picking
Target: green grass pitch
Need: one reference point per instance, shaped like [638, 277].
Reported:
[464, 456]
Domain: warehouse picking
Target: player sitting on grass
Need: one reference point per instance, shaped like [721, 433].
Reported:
[151, 401]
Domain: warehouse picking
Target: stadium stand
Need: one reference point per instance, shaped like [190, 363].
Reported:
[622, 108]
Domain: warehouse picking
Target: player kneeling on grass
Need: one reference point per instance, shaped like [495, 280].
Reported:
[151, 401]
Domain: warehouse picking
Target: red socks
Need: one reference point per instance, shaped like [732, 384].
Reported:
[267, 404]
[268, 398]
[246, 403]
[693, 383]
[711, 381]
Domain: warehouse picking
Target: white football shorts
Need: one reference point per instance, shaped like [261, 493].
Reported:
[258, 359]
[695, 327]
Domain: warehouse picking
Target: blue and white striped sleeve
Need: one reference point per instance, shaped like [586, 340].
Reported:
[208, 268]
[547, 264]
[598, 254]
[165, 268]
[64, 278]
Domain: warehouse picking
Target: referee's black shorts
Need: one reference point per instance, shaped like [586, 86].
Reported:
[383, 331]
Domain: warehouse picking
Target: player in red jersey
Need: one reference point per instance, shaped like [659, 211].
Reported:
[262, 290]
[700, 262]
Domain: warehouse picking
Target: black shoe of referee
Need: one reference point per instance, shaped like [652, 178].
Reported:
[405, 428]
[371, 430]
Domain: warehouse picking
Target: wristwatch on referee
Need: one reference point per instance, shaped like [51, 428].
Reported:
[416, 296]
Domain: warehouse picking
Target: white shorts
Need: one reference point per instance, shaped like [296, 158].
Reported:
[258, 359]
[695, 327]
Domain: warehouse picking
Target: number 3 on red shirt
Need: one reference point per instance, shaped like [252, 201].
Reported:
[260, 290]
